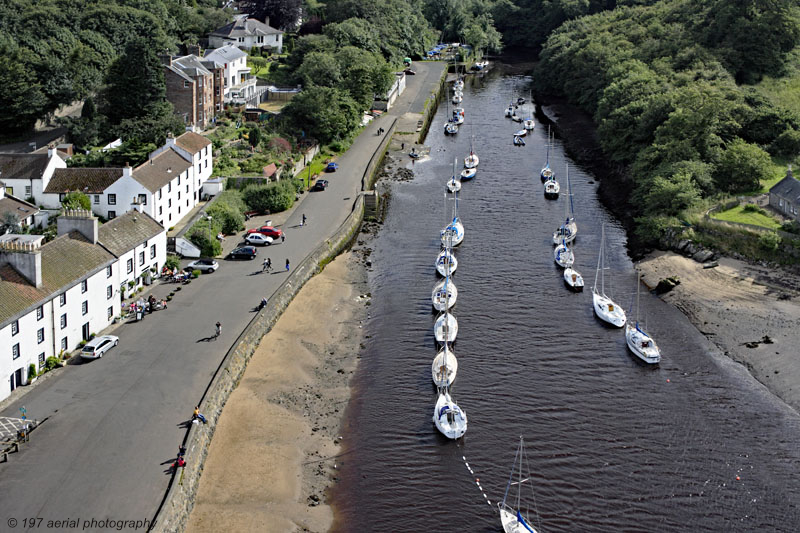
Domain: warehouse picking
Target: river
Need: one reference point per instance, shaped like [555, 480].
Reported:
[694, 444]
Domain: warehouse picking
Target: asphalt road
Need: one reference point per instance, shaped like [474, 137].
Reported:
[113, 425]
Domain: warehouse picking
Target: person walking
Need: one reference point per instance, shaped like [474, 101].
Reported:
[303, 222]
[287, 264]
[218, 331]
[283, 237]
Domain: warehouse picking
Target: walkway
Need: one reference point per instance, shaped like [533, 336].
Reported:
[114, 424]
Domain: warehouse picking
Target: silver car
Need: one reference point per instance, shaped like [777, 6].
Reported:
[95, 348]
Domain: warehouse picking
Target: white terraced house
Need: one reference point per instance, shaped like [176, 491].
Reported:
[239, 85]
[54, 295]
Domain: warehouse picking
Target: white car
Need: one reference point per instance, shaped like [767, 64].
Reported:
[203, 265]
[95, 348]
[258, 239]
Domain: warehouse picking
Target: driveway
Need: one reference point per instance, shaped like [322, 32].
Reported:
[113, 425]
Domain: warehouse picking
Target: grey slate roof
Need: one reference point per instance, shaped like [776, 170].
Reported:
[177, 70]
[160, 170]
[192, 142]
[23, 166]
[243, 27]
[191, 65]
[224, 54]
[88, 180]
[788, 188]
[127, 231]
[10, 204]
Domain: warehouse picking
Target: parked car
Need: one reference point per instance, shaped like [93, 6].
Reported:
[268, 231]
[320, 185]
[203, 265]
[243, 252]
[332, 167]
[95, 348]
[259, 239]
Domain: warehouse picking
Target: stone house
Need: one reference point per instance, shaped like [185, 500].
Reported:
[784, 196]
[247, 33]
[191, 90]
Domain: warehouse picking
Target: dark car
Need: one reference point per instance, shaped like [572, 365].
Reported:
[320, 185]
[243, 252]
[409, 72]
[332, 167]
[269, 231]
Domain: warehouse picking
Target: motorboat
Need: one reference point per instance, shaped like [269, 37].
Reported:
[639, 342]
[529, 124]
[573, 279]
[563, 256]
[445, 329]
[551, 189]
[444, 367]
[446, 262]
[468, 173]
[510, 111]
[444, 295]
[519, 141]
[605, 308]
[513, 517]
[449, 418]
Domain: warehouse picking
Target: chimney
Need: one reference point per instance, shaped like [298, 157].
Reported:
[127, 170]
[266, 20]
[166, 59]
[78, 220]
[193, 49]
[24, 255]
[170, 139]
[51, 150]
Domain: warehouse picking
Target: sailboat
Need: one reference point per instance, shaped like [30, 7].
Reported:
[639, 342]
[472, 160]
[604, 307]
[573, 279]
[454, 184]
[546, 172]
[563, 255]
[453, 232]
[446, 262]
[528, 123]
[445, 329]
[551, 189]
[444, 295]
[468, 173]
[444, 367]
[450, 127]
[510, 110]
[569, 229]
[512, 516]
[519, 141]
[449, 418]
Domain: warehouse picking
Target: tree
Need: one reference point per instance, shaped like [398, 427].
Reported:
[21, 98]
[324, 113]
[270, 198]
[283, 14]
[319, 68]
[76, 200]
[10, 223]
[254, 136]
[742, 167]
[135, 83]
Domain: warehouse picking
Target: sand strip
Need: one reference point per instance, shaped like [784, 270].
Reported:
[262, 472]
[751, 313]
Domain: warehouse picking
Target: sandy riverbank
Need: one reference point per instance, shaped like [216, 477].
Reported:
[262, 472]
[751, 313]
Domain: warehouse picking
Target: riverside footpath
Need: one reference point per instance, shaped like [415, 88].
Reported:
[111, 427]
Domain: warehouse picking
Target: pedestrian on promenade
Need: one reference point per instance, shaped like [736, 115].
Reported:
[287, 264]
[303, 222]
[283, 237]
[181, 450]
[402, 146]
[218, 331]
[197, 415]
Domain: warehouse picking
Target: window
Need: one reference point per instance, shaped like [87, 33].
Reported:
[141, 258]
[96, 199]
[159, 194]
[159, 209]
[169, 202]
[40, 336]
[110, 313]
[129, 264]
[179, 195]
[187, 187]
[84, 307]
[10, 191]
[64, 343]
[84, 286]
[206, 164]
[187, 203]
[27, 191]
[143, 199]
[15, 351]
[185, 84]
[14, 327]
[112, 199]
[61, 195]
[112, 214]
[179, 180]
[40, 312]
[169, 187]
[109, 270]
[41, 360]
[170, 218]
[199, 82]
[179, 210]
[63, 320]
[109, 292]
[152, 251]
[62, 299]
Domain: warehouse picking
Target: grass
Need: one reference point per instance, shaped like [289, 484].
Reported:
[274, 106]
[754, 218]
[784, 91]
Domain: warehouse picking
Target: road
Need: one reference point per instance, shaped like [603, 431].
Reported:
[113, 425]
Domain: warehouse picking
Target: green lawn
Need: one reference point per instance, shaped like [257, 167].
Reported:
[738, 214]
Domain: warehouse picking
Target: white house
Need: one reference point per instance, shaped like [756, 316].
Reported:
[26, 175]
[238, 84]
[54, 295]
[10, 207]
[166, 187]
[247, 33]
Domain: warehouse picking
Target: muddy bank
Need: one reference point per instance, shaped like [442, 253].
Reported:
[273, 455]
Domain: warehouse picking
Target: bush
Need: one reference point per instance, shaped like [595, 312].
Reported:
[50, 363]
[172, 262]
[31, 371]
[205, 239]
[77, 200]
[229, 219]
[271, 198]
[753, 208]
[769, 241]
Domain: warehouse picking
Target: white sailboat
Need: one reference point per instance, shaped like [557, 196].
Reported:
[449, 418]
[472, 160]
[446, 262]
[639, 342]
[521, 133]
[573, 279]
[444, 367]
[528, 122]
[569, 229]
[453, 232]
[454, 184]
[510, 110]
[513, 517]
[551, 189]
[546, 172]
[458, 98]
[444, 295]
[450, 127]
[563, 255]
[445, 329]
[468, 173]
[605, 308]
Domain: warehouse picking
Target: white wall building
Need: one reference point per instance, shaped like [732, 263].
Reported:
[239, 85]
[54, 295]
[247, 33]
[26, 175]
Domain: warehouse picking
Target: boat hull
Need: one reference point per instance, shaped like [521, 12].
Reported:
[546, 174]
[573, 279]
[453, 233]
[444, 375]
[551, 189]
[607, 310]
[565, 233]
[468, 174]
[439, 328]
[511, 524]
[446, 263]
[642, 345]
[563, 256]
[450, 419]
[444, 294]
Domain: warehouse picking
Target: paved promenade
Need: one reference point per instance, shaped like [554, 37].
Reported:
[113, 425]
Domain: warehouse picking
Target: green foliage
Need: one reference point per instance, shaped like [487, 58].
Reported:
[254, 136]
[742, 167]
[22, 98]
[272, 197]
[787, 144]
[50, 363]
[230, 219]
[31, 371]
[172, 262]
[76, 200]
[196, 273]
[135, 83]
[769, 241]
[323, 113]
[205, 238]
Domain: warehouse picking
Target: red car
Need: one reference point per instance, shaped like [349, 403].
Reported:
[269, 231]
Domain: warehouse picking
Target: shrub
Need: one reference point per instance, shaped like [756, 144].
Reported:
[753, 208]
[271, 198]
[82, 343]
[31, 371]
[229, 219]
[77, 200]
[769, 241]
[206, 240]
[172, 262]
[196, 273]
[50, 363]
[131, 284]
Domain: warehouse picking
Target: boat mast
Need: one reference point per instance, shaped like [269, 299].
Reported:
[603, 255]
[547, 161]
[519, 484]
[599, 257]
[511, 475]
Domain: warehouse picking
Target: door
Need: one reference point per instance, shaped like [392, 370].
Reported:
[85, 331]
[16, 379]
